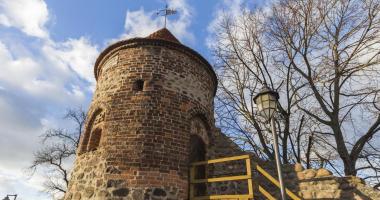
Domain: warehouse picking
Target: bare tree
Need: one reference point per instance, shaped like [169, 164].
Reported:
[245, 64]
[59, 146]
[334, 48]
[323, 58]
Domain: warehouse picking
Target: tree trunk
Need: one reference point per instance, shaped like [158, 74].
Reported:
[349, 167]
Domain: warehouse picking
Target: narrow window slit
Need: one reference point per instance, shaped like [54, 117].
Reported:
[138, 85]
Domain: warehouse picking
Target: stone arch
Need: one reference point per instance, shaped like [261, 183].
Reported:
[94, 126]
[200, 124]
[200, 128]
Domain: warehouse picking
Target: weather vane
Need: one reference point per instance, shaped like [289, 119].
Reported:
[165, 12]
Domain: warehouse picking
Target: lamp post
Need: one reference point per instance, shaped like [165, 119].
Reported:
[266, 101]
[10, 195]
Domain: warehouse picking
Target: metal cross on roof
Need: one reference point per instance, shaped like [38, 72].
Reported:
[165, 12]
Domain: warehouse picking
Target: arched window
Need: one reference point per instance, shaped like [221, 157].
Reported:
[95, 121]
[95, 138]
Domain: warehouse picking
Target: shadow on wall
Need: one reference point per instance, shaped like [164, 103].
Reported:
[350, 189]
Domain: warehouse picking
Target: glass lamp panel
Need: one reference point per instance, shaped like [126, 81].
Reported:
[259, 106]
[273, 104]
[265, 104]
[265, 97]
[266, 114]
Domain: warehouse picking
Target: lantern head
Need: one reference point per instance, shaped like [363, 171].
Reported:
[266, 101]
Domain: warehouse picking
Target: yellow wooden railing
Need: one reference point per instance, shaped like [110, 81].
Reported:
[275, 182]
[247, 176]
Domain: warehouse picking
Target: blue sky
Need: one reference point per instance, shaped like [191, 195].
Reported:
[102, 20]
[47, 52]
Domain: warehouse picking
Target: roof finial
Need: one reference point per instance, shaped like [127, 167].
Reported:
[165, 12]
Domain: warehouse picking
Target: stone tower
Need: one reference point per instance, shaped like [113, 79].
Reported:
[150, 116]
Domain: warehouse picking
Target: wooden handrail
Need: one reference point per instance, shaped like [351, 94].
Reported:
[232, 196]
[247, 176]
[219, 160]
[220, 179]
[275, 182]
[266, 193]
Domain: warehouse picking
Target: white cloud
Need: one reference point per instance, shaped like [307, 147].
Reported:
[13, 183]
[77, 54]
[28, 15]
[16, 71]
[19, 131]
[47, 77]
[141, 23]
[52, 75]
[33, 89]
[230, 8]
[36, 84]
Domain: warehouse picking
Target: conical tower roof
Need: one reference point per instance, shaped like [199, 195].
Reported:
[164, 34]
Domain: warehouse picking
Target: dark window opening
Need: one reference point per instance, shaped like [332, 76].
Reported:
[198, 153]
[138, 85]
[94, 140]
[88, 131]
[84, 144]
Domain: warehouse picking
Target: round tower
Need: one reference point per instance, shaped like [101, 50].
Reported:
[151, 115]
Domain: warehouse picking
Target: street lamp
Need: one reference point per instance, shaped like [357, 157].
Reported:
[267, 101]
[10, 195]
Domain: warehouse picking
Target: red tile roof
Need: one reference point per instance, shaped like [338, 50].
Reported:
[164, 34]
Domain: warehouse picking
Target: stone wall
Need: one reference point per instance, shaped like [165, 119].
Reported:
[222, 146]
[314, 184]
[321, 184]
[306, 183]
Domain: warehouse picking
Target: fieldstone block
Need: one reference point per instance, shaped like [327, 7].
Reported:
[114, 183]
[88, 192]
[298, 167]
[80, 176]
[102, 194]
[323, 172]
[309, 173]
[137, 195]
[121, 192]
[300, 175]
[307, 195]
[77, 196]
[159, 192]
